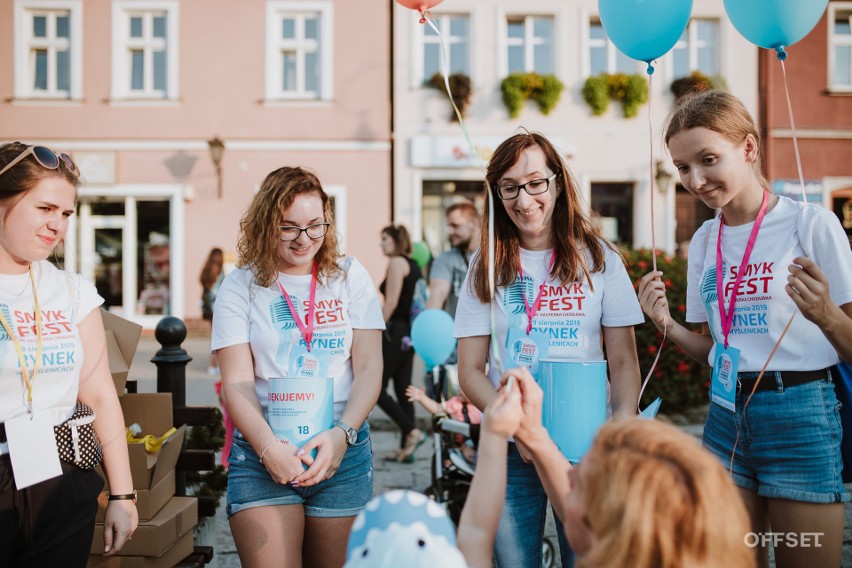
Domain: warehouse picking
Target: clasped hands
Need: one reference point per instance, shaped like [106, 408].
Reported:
[517, 410]
[290, 464]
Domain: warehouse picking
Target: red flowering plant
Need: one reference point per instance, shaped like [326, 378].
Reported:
[678, 379]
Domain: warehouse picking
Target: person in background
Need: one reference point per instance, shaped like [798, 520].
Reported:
[398, 290]
[296, 307]
[449, 269]
[562, 289]
[457, 407]
[211, 279]
[52, 354]
[750, 268]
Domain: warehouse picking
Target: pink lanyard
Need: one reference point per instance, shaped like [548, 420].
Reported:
[531, 311]
[307, 330]
[728, 319]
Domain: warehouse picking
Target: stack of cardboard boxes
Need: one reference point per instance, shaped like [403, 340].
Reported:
[164, 536]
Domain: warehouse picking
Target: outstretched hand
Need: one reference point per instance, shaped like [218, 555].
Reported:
[503, 415]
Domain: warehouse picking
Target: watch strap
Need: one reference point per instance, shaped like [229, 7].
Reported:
[123, 497]
[346, 430]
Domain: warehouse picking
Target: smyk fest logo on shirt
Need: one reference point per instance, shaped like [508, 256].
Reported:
[57, 356]
[750, 311]
[329, 317]
[557, 302]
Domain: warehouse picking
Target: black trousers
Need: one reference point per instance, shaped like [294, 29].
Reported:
[397, 366]
[50, 523]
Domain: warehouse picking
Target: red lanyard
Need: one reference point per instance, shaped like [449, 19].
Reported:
[307, 330]
[531, 311]
[728, 318]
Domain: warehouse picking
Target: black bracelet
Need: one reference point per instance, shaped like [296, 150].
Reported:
[124, 497]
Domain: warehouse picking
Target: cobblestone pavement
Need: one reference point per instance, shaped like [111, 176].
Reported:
[387, 475]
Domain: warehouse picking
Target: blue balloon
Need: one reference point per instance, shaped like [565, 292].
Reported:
[645, 29]
[432, 336]
[774, 24]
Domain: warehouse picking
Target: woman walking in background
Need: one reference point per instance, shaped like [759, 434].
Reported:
[398, 289]
[211, 278]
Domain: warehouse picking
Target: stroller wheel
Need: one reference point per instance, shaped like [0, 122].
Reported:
[548, 554]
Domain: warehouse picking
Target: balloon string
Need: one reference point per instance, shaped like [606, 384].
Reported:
[445, 71]
[795, 137]
[651, 370]
[651, 170]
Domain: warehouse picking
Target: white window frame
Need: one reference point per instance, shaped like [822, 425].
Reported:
[611, 50]
[833, 40]
[24, 42]
[275, 11]
[693, 44]
[338, 192]
[529, 41]
[442, 21]
[122, 11]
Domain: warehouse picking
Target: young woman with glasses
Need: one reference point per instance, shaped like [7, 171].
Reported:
[296, 309]
[560, 283]
[398, 290]
[52, 354]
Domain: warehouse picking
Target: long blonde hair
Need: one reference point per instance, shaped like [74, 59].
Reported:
[655, 498]
[259, 235]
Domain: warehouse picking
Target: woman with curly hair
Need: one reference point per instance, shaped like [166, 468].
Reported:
[296, 308]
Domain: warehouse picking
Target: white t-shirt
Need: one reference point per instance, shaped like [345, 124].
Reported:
[57, 382]
[247, 313]
[571, 315]
[763, 307]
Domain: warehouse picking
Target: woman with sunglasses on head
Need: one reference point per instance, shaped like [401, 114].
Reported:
[398, 290]
[559, 284]
[750, 268]
[296, 309]
[52, 355]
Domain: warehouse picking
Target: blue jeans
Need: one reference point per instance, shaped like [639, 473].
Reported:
[521, 530]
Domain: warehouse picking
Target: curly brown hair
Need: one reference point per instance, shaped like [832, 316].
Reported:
[259, 225]
[572, 231]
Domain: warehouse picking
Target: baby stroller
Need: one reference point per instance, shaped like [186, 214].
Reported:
[452, 466]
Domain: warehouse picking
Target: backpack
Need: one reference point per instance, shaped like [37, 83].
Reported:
[418, 300]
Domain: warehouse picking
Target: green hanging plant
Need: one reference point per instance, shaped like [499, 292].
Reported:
[545, 90]
[630, 90]
[696, 82]
[461, 88]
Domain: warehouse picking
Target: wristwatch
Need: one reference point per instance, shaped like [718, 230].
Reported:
[351, 433]
[123, 497]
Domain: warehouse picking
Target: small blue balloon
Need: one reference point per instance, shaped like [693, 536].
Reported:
[644, 29]
[432, 336]
[775, 24]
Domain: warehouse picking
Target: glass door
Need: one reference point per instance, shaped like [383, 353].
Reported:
[103, 242]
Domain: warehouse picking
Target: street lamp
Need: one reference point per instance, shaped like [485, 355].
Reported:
[217, 148]
[663, 177]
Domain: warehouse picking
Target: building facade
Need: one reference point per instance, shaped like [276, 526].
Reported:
[176, 111]
[819, 79]
[608, 154]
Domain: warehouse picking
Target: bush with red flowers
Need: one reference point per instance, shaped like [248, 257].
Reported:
[678, 379]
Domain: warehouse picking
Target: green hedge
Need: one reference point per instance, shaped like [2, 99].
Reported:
[678, 379]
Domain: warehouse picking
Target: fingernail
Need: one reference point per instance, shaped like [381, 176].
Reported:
[106, 549]
[301, 452]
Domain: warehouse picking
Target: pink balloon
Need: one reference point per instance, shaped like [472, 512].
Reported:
[419, 5]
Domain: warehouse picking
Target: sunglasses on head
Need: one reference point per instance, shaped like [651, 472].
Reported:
[46, 157]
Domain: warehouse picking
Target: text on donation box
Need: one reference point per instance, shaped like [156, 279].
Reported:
[299, 409]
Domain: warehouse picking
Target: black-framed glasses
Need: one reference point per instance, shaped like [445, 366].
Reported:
[291, 233]
[532, 187]
[44, 156]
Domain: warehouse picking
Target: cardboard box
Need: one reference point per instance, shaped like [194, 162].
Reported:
[148, 501]
[152, 538]
[172, 556]
[153, 413]
[122, 337]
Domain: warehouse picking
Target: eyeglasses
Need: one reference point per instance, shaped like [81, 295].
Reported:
[315, 231]
[532, 187]
[44, 156]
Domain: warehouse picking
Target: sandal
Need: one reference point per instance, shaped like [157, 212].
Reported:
[393, 456]
[413, 440]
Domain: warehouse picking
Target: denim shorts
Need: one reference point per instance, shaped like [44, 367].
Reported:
[789, 442]
[344, 495]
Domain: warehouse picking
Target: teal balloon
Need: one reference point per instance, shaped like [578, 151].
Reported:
[420, 254]
[432, 336]
[645, 29]
[774, 24]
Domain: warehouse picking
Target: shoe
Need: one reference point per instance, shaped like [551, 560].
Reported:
[392, 456]
[413, 440]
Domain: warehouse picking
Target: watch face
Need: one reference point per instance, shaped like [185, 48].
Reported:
[351, 436]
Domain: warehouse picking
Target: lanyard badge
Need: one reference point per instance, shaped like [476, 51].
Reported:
[726, 359]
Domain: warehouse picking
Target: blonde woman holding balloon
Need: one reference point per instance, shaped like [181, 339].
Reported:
[750, 268]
